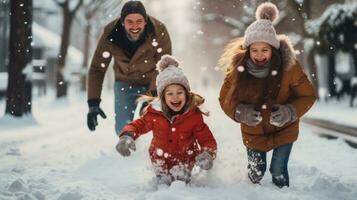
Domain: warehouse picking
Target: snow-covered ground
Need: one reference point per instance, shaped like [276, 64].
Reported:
[53, 155]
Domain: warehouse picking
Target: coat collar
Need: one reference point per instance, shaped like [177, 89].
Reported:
[235, 50]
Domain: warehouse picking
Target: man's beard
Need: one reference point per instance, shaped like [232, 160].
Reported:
[131, 39]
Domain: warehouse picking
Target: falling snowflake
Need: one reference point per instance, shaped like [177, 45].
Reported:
[159, 50]
[166, 155]
[274, 73]
[241, 68]
[189, 152]
[21, 5]
[60, 83]
[216, 68]
[145, 61]
[106, 54]
[203, 68]
[159, 152]
[199, 32]
[173, 129]
[122, 89]
[102, 65]
[154, 43]
[264, 106]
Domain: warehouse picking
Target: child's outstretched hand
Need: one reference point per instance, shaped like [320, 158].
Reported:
[204, 160]
[126, 143]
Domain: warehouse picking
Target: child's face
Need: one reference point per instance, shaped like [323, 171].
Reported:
[175, 97]
[260, 53]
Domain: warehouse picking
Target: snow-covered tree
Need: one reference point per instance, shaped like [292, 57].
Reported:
[69, 10]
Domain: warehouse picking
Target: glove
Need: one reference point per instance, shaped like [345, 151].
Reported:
[247, 114]
[204, 160]
[124, 145]
[282, 114]
[94, 110]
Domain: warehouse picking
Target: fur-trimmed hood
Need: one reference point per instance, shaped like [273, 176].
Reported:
[234, 51]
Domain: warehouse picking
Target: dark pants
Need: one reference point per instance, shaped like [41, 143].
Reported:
[278, 168]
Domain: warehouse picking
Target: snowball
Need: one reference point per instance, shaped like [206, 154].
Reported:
[241, 68]
[159, 152]
[189, 152]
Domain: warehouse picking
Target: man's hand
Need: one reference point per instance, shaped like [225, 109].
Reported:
[94, 110]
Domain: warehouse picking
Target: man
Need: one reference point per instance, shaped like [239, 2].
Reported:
[136, 41]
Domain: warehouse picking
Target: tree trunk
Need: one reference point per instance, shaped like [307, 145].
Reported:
[18, 95]
[85, 55]
[61, 82]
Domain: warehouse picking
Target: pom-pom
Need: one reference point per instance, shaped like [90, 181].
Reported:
[165, 61]
[267, 11]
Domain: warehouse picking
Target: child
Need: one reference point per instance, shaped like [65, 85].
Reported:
[265, 90]
[181, 139]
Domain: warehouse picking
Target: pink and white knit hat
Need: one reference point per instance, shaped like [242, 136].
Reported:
[170, 73]
[262, 30]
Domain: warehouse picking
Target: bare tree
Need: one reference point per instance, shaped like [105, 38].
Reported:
[18, 95]
[68, 16]
[92, 15]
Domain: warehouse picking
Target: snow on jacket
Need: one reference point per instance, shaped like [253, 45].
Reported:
[178, 141]
[295, 89]
[139, 70]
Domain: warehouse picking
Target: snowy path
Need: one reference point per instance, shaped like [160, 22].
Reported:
[58, 158]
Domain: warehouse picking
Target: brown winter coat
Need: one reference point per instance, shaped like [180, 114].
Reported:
[295, 89]
[139, 70]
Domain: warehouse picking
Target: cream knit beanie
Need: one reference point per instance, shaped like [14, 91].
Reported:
[262, 30]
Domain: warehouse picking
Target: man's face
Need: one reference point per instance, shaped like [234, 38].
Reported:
[134, 25]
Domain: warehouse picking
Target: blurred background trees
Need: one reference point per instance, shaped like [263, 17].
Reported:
[64, 35]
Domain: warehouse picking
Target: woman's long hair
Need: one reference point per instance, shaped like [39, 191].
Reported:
[247, 89]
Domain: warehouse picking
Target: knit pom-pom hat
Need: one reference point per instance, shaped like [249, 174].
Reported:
[262, 30]
[170, 73]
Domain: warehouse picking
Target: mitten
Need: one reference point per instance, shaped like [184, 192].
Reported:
[124, 145]
[282, 114]
[204, 160]
[247, 114]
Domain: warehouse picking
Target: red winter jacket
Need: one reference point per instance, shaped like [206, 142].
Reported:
[176, 142]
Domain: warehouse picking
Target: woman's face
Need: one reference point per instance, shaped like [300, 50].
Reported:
[260, 53]
[175, 97]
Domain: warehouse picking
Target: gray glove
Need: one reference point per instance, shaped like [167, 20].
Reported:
[282, 114]
[204, 160]
[124, 145]
[247, 114]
